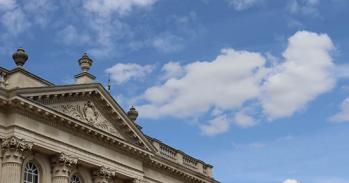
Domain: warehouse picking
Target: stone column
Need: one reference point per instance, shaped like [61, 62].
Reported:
[102, 175]
[13, 149]
[61, 168]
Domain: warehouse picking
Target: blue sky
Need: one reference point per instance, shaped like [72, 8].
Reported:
[258, 88]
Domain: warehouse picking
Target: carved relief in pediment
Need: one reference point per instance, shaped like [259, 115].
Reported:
[87, 112]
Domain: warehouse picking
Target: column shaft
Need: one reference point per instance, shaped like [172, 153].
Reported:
[11, 173]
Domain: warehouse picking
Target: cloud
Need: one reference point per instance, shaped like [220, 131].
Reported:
[70, 35]
[304, 7]
[218, 125]
[172, 70]
[305, 73]
[224, 83]
[291, 181]
[15, 21]
[341, 71]
[167, 43]
[244, 120]
[243, 4]
[228, 82]
[102, 23]
[121, 73]
[343, 114]
[7, 4]
[257, 145]
[108, 7]
[39, 11]
[18, 17]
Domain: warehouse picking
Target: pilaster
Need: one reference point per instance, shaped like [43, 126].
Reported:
[61, 167]
[13, 149]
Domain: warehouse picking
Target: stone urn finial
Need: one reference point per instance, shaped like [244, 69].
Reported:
[132, 114]
[85, 62]
[20, 57]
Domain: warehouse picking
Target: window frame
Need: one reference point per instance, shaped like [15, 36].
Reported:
[37, 169]
[77, 176]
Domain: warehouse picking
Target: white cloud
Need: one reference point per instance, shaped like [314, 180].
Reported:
[291, 181]
[121, 73]
[218, 125]
[243, 4]
[172, 70]
[242, 119]
[233, 78]
[107, 7]
[343, 115]
[224, 83]
[305, 74]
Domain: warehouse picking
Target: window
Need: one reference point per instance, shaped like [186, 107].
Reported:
[75, 179]
[31, 173]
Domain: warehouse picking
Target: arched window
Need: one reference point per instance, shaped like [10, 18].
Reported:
[75, 179]
[31, 173]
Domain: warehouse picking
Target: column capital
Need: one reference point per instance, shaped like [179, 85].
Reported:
[13, 149]
[62, 164]
[102, 174]
[16, 143]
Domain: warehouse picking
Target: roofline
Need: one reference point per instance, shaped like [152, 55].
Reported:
[20, 69]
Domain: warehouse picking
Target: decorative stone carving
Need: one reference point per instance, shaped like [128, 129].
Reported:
[20, 57]
[13, 149]
[16, 143]
[88, 113]
[102, 175]
[62, 165]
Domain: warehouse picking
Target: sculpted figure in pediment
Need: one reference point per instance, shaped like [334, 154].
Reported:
[90, 113]
[87, 112]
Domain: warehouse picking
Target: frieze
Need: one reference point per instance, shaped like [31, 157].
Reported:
[87, 112]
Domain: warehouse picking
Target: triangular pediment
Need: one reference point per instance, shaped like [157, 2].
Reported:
[89, 104]
[87, 112]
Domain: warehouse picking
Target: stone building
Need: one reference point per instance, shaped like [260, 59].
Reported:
[79, 134]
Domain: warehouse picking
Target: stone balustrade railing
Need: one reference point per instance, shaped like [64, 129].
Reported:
[181, 158]
[168, 151]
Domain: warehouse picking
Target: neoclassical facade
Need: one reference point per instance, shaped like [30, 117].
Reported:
[79, 134]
